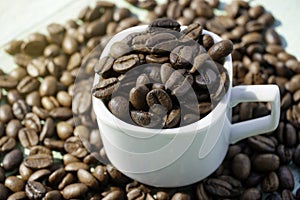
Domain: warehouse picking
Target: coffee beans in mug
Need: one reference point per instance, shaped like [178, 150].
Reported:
[174, 64]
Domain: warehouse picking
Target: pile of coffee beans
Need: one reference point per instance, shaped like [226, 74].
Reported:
[50, 147]
[152, 78]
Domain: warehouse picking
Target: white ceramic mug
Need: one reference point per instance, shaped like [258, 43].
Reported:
[182, 156]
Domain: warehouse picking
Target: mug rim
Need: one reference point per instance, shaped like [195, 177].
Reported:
[111, 120]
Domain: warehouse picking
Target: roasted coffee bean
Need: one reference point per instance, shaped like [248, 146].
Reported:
[104, 65]
[48, 86]
[87, 178]
[101, 174]
[12, 159]
[285, 154]
[6, 113]
[27, 85]
[7, 143]
[20, 109]
[38, 161]
[39, 175]
[287, 194]
[119, 106]
[296, 156]
[39, 150]
[13, 47]
[8, 82]
[33, 99]
[35, 190]
[251, 193]
[125, 63]
[272, 37]
[182, 56]
[13, 96]
[119, 49]
[220, 50]
[54, 194]
[173, 118]
[105, 88]
[165, 23]
[223, 187]
[159, 96]
[2, 175]
[261, 144]
[74, 146]
[116, 194]
[32, 121]
[193, 32]
[270, 183]
[18, 73]
[64, 130]
[241, 166]
[25, 172]
[61, 113]
[54, 144]
[3, 192]
[75, 190]
[266, 162]
[116, 175]
[14, 183]
[18, 195]
[287, 134]
[286, 178]
[28, 137]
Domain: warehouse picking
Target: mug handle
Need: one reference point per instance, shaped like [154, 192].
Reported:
[255, 93]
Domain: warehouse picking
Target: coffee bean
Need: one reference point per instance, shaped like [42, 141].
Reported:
[119, 106]
[13, 47]
[270, 183]
[75, 190]
[173, 118]
[64, 130]
[62, 113]
[18, 195]
[14, 183]
[54, 144]
[87, 178]
[193, 32]
[28, 137]
[3, 192]
[100, 174]
[272, 37]
[74, 146]
[13, 96]
[25, 172]
[241, 166]
[104, 65]
[7, 143]
[125, 63]
[48, 86]
[105, 88]
[287, 194]
[116, 194]
[35, 190]
[12, 159]
[266, 162]
[116, 175]
[38, 161]
[285, 154]
[223, 187]
[20, 109]
[286, 179]
[5, 113]
[119, 49]
[165, 23]
[67, 180]
[182, 56]
[220, 50]
[69, 45]
[54, 194]
[2, 175]
[32, 121]
[135, 193]
[17, 73]
[251, 193]
[27, 85]
[64, 98]
[261, 144]
[39, 175]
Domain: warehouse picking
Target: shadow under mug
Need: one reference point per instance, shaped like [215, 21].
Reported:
[182, 156]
